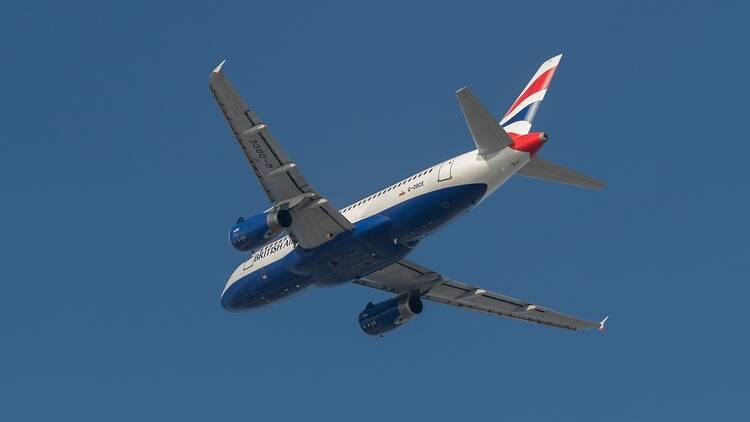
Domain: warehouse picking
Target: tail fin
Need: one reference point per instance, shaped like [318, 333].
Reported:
[521, 114]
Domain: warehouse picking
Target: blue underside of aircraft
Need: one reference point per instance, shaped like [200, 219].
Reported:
[375, 242]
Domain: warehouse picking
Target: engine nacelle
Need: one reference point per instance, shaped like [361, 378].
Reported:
[385, 316]
[257, 230]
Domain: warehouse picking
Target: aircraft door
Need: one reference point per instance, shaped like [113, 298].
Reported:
[444, 173]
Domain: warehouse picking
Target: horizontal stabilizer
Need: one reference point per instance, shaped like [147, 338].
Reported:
[488, 135]
[539, 168]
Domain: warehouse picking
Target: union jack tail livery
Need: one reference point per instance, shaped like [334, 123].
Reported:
[521, 114]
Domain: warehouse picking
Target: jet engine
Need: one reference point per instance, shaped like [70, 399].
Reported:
[249, 233]
[385, 316]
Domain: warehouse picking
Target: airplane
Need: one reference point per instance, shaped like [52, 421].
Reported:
[302, 240]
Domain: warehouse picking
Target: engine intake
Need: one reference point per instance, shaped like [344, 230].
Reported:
[257, 230]
[385, 316]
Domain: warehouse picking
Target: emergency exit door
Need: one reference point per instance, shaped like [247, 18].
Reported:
[444, 173]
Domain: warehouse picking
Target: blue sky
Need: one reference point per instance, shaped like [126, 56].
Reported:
[120, 180]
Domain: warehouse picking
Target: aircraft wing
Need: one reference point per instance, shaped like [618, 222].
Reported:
[314, 219]
[407, 277]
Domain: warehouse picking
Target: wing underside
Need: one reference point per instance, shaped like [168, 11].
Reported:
[314, 219]
[406, 277]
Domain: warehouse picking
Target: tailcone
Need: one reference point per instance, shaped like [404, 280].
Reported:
[530, 143]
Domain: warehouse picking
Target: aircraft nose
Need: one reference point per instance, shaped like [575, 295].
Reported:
[228, 302]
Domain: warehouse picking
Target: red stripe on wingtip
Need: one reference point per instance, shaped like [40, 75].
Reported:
[542, 82]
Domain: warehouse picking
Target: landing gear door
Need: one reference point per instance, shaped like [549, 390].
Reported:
[444, 173]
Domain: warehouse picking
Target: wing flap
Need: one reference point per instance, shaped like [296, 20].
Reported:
[316, 223]
[401, 277]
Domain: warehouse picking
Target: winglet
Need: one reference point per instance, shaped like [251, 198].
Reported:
[218, 68]
[601, 324]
